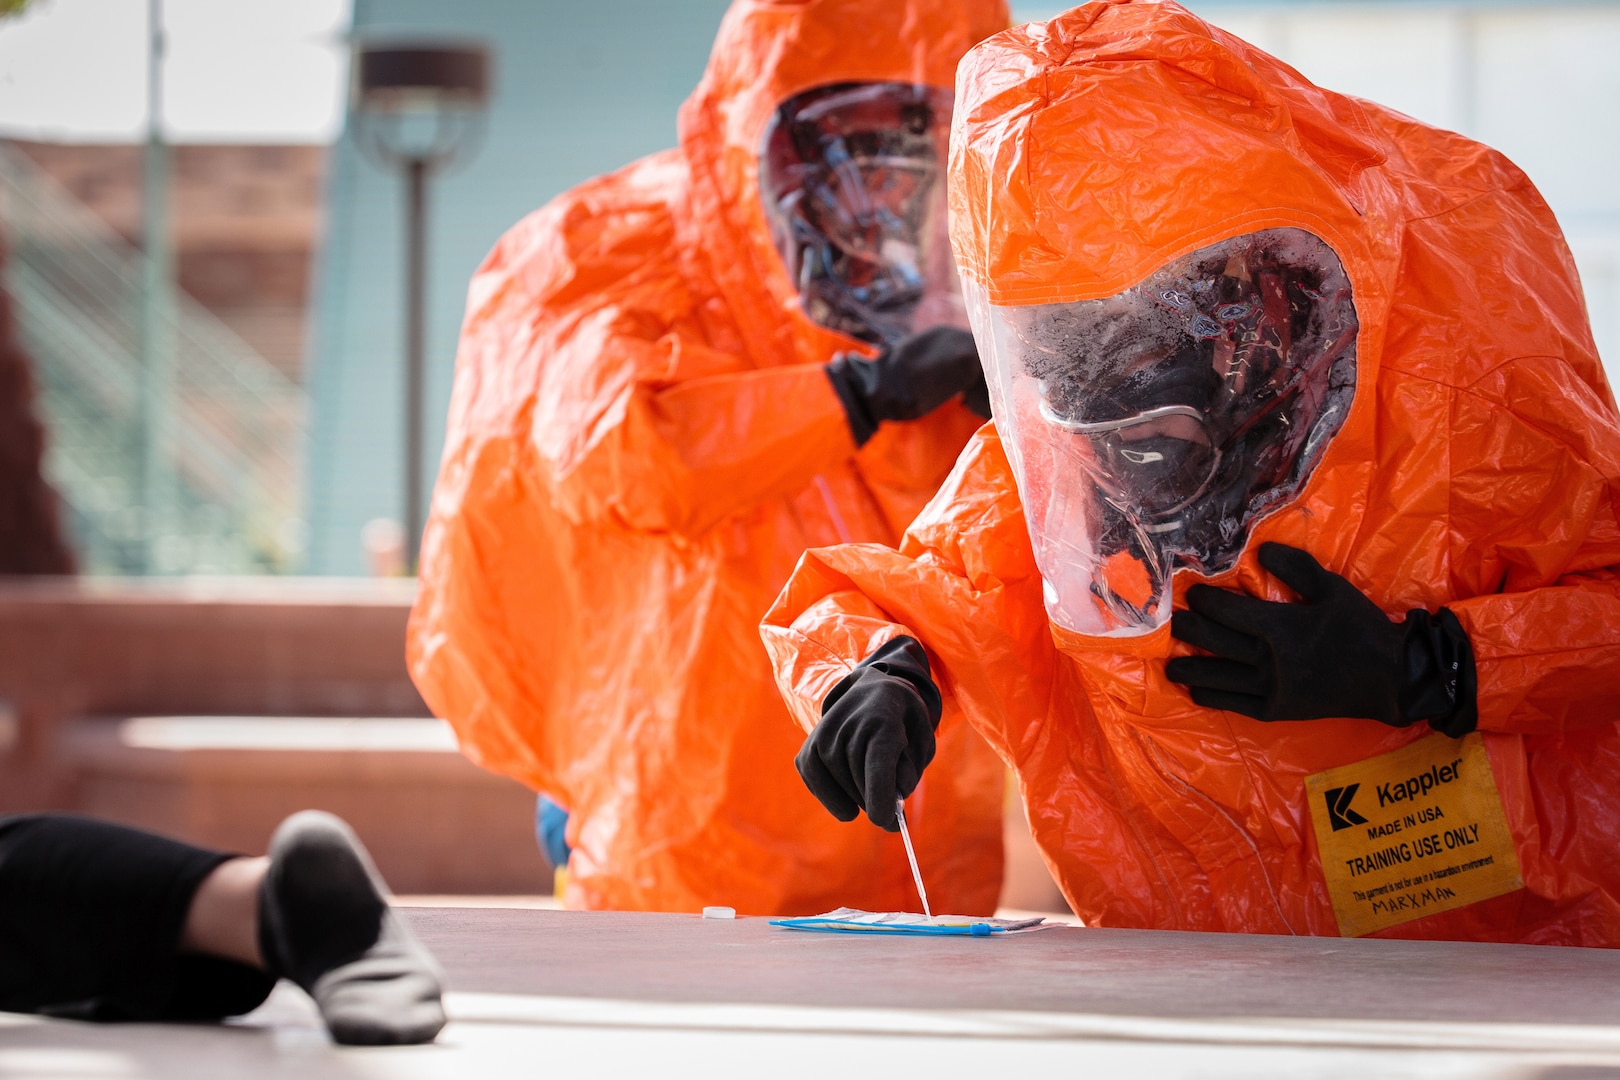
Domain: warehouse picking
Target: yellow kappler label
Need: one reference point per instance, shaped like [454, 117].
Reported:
[1412, 833]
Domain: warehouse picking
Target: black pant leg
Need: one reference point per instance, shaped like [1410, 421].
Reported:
[90, 919]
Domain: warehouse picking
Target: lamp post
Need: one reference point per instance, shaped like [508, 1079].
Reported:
[417, 107]
[157, 340]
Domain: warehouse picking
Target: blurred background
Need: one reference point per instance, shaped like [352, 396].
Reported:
[281, 407]
[206, 271]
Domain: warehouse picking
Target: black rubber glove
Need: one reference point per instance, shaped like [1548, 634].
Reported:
[876, 735]
[1336, 654]
[910, 379]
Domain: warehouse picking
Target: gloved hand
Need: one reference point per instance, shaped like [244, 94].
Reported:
[1336, 654]
[910, 379]
[876, 735]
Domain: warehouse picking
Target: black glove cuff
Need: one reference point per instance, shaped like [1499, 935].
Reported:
[904, 658]
[855, 381]
[1438, 681]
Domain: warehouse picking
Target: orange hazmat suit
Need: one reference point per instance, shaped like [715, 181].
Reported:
[642, 440]
[1476, 466]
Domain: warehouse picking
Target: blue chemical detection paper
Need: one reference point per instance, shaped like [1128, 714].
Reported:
[856, 921]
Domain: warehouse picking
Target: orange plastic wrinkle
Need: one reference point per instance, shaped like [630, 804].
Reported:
[1479, 469]
[641, 443]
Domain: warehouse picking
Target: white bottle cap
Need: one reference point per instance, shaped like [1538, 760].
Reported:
[719, 913]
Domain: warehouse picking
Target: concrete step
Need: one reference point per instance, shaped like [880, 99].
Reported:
[188, 647]
[434, 822]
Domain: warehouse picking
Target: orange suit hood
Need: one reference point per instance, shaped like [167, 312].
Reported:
[766, 52]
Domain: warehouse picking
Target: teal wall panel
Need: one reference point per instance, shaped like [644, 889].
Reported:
[579, 89]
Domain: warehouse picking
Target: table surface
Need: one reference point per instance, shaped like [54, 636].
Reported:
[540, 993]
[686, 959]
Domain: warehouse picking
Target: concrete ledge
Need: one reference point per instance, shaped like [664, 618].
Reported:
[262, 747]
[262, 646]
[434, 822]
[294, 591]
[250, 646]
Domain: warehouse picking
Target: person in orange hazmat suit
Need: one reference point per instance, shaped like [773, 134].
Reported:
[1302, 383]
[671, 381]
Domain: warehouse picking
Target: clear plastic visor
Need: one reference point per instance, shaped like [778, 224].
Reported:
[1150, 430]
[852, 181]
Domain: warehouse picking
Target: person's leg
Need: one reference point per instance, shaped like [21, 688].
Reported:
[223, 919]
[98, 921]
[91, 920]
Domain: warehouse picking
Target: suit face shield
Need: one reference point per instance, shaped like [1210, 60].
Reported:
[1149, 431]
[852, 179]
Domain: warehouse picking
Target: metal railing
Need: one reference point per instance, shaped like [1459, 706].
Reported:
[230, 431]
